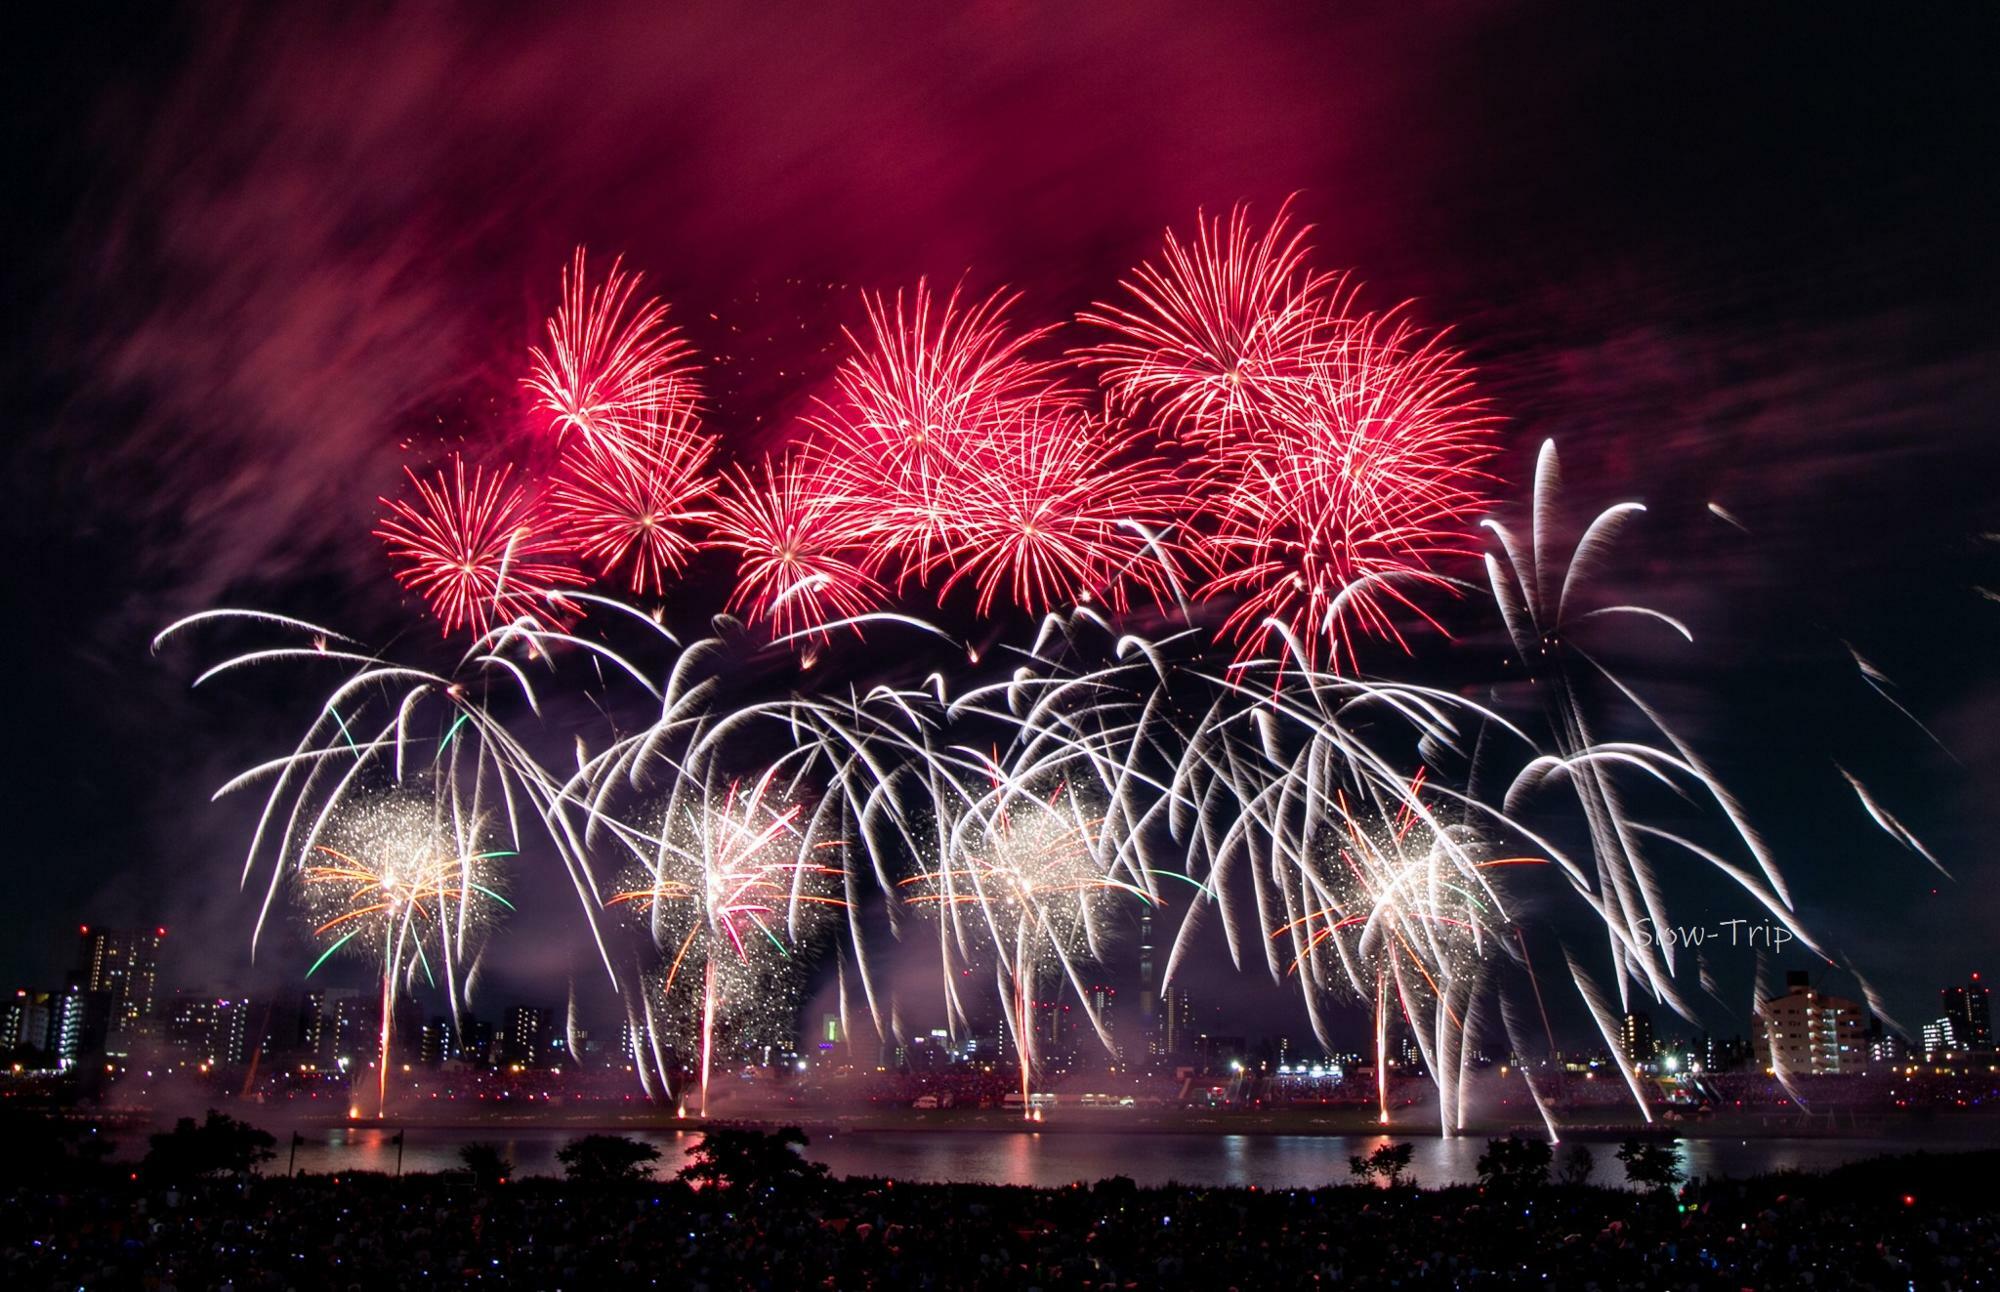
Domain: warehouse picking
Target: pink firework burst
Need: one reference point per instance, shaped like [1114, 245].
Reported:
[1069, 510]
[470, 547]
[1348, 492]
[915, 417]
[1220, 325]
[797, 557]
[950, 455]
[613, 368]
[629, 504]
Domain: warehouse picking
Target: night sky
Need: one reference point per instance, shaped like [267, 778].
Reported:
[259, 258]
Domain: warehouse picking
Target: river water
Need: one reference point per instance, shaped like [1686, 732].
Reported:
[1060, 1157]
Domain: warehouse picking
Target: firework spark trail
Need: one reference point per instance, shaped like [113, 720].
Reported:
[612, 371]
[1399, 901]
[1221, 325]
[916, 415]
[948, 456]
[400, 870]
[1537, 592]
[1302, 469]
[1607, 1028]
[1018, 879]
[1349, 494]
[426, 724]
[850, 765]
[798, 561]
[1063, 520]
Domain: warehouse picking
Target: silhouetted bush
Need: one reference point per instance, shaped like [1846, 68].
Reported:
[219, 1145]
[607, 1159]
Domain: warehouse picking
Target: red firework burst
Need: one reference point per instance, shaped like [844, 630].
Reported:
[797, 565]
[471, 549]
[613, 368]
[915, 417]
[948, 454]
[1069, 510]
[1223, 323]
[630, 503]
[1347, 492]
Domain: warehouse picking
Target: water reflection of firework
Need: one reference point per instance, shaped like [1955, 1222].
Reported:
[393, 881]
[734, 896]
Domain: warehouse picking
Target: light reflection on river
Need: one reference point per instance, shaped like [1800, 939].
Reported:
[1059, 1157]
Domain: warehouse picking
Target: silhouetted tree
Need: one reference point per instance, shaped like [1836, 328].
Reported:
[606, 1159]
[1389, 1161]
[488, 1165]
[1650, 1164]
[737, 1158]
[219, 1145]
[1515, 1163]
[1577, 1164]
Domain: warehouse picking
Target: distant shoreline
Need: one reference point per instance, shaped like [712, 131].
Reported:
[1974, 1127]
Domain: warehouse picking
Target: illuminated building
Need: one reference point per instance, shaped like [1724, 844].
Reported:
[210, 1029]
[123, 966]
[436, 1042]
[1178, 1033]
[1149, 1007]
[1635, 1037]
[525, 1036]
[1809, 1032]
[1941, 1037]
[1970, 1010]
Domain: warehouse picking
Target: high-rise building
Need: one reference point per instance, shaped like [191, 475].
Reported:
[312, 1023]
[1148, 1035]
[1177, 1034]
[1724, 1056]
[214, 1030]
[436, 1043]
[1970, 1010]
[1635, 1036]
[475, 1042]
[1806, 1031]
[25, 1025]
[77, 1022]
[525, 1038]
[1884, 1047]
[356, 1027]
[123, 965]
[1051, 1025]
[1104, 1004]
[1941, 1037]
